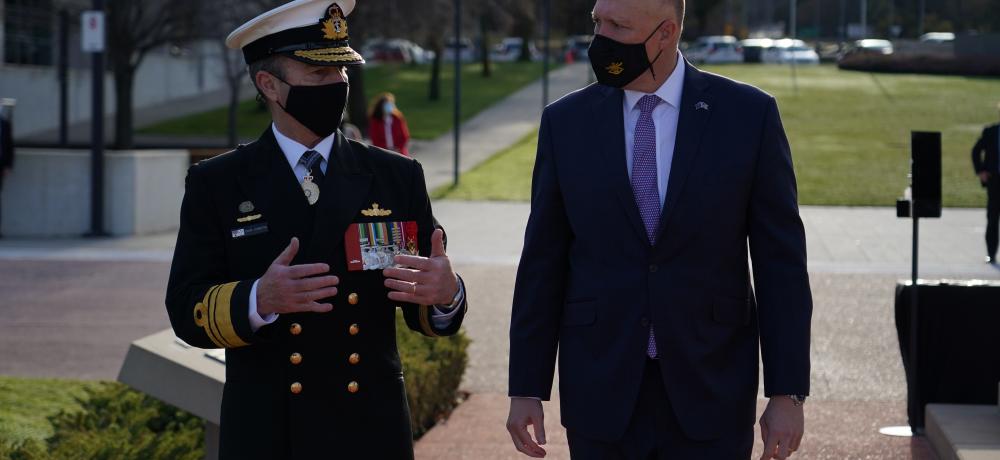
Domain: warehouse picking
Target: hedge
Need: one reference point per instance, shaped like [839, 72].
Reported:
[118, 423]
[934, 65]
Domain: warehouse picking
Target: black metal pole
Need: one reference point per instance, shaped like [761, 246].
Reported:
[458, 86]
[546, 29]
[920, 17]
[63, 78]
[97, 142]
[914, 398]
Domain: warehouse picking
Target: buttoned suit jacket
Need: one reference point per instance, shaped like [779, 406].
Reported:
[986, 152]
[590, 284]
[214, 269]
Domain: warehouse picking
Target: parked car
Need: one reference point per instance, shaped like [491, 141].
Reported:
[753, 48]
[788, 51]
[465, 50]
[937, 37]
[395, 50]
[715, 49]
[510, 48]
[579, 45]
[871, 46]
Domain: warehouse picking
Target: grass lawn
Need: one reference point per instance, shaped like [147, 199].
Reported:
[27, 404]
[426, 119]
[849, 131]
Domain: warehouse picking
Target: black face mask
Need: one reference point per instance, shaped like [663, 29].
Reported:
[319, 108]
[617, 64]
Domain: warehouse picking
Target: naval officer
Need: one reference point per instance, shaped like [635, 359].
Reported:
[268, 260]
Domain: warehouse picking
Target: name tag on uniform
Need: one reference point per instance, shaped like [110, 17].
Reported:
[374, 245]
[249, 230]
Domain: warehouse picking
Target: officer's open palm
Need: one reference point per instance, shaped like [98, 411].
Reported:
[423, 280]
[524, 412]
[287, 288]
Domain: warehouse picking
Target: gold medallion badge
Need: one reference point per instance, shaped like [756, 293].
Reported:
[310, 189]
[616, 68]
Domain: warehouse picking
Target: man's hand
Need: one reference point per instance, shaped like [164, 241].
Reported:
[287, 288]
[984, 176]
[781, 428]
[524, 412]
[423, 280]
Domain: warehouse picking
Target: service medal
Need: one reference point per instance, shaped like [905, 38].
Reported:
[310, 189]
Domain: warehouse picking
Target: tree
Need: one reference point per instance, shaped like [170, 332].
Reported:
[136, 28]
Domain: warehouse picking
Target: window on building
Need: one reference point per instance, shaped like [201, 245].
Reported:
[29, 32]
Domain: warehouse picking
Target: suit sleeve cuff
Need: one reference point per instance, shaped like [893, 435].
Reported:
[442, 315]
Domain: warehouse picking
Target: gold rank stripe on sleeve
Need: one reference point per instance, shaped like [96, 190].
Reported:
[213, 314]
[425, 321]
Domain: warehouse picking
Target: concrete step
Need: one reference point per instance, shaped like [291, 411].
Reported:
[964, 432]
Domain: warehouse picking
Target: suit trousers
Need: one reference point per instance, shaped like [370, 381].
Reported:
[653, 433]
[993, 215]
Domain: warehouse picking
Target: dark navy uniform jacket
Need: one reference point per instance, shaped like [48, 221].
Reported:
[590, 285]
[310, 385]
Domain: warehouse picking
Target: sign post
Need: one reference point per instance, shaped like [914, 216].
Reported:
[93, 42]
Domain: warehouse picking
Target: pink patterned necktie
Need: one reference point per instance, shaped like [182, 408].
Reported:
[644, 179]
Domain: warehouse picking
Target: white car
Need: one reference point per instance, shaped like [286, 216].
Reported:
[509, 50]
[937, 37]
[715, 49]
[788, 51]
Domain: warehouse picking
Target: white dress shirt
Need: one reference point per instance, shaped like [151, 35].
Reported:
[665, 117]
[293, 153]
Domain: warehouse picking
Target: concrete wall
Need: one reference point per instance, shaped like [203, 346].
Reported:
[48, 194]
[161, 78]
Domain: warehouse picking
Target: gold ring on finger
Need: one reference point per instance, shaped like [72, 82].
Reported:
[414, 290]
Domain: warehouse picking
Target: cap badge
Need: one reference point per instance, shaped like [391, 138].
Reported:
[616, 68]
[334, 24]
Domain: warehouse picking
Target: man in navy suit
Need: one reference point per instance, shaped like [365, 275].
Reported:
[650, 188]
[986, 161]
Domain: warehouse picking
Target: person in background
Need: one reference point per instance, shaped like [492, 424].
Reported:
[387, 126]
[986, 160]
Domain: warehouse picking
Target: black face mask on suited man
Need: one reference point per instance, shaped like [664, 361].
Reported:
[319, 108]
[617, 64]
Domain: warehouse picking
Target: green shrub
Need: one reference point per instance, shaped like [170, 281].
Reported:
[110, 421]
[433, 368]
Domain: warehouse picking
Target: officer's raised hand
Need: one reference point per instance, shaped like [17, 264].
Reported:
[287, 288]
[423, 280]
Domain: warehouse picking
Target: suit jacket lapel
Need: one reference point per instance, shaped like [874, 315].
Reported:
[691, 125]
[342, 196]
[611, 123]
[274, 189]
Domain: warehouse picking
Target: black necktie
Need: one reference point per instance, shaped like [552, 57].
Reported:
[311, 160]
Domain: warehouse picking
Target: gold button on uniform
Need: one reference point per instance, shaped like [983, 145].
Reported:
[355, 358]
[353, 298]
[354, 329]
[296, 358]
[353, 387]
[295, 329]
[296, 388]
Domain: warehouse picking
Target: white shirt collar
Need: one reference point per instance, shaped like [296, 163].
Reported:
[293, 150]
[670, 91]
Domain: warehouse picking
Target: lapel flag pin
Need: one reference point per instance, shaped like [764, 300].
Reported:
[702, 105]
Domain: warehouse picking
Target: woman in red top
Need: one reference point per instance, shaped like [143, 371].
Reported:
[387, 126]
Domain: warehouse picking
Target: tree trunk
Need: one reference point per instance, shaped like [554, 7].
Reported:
[434, 93]
[357, 101]
[124, 81]
[234, 106]
[484, 47]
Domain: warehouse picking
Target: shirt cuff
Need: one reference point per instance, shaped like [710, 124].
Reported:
[442, 315]
[256, 322]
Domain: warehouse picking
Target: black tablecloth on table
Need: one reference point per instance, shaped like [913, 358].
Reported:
[958, 343]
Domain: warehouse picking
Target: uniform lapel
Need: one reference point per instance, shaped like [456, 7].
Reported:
[695, 111]
[611, 122]
[274, 189]
[342, 196]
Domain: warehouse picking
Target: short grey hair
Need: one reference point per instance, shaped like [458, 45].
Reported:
[679, 7]
[272, 65]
